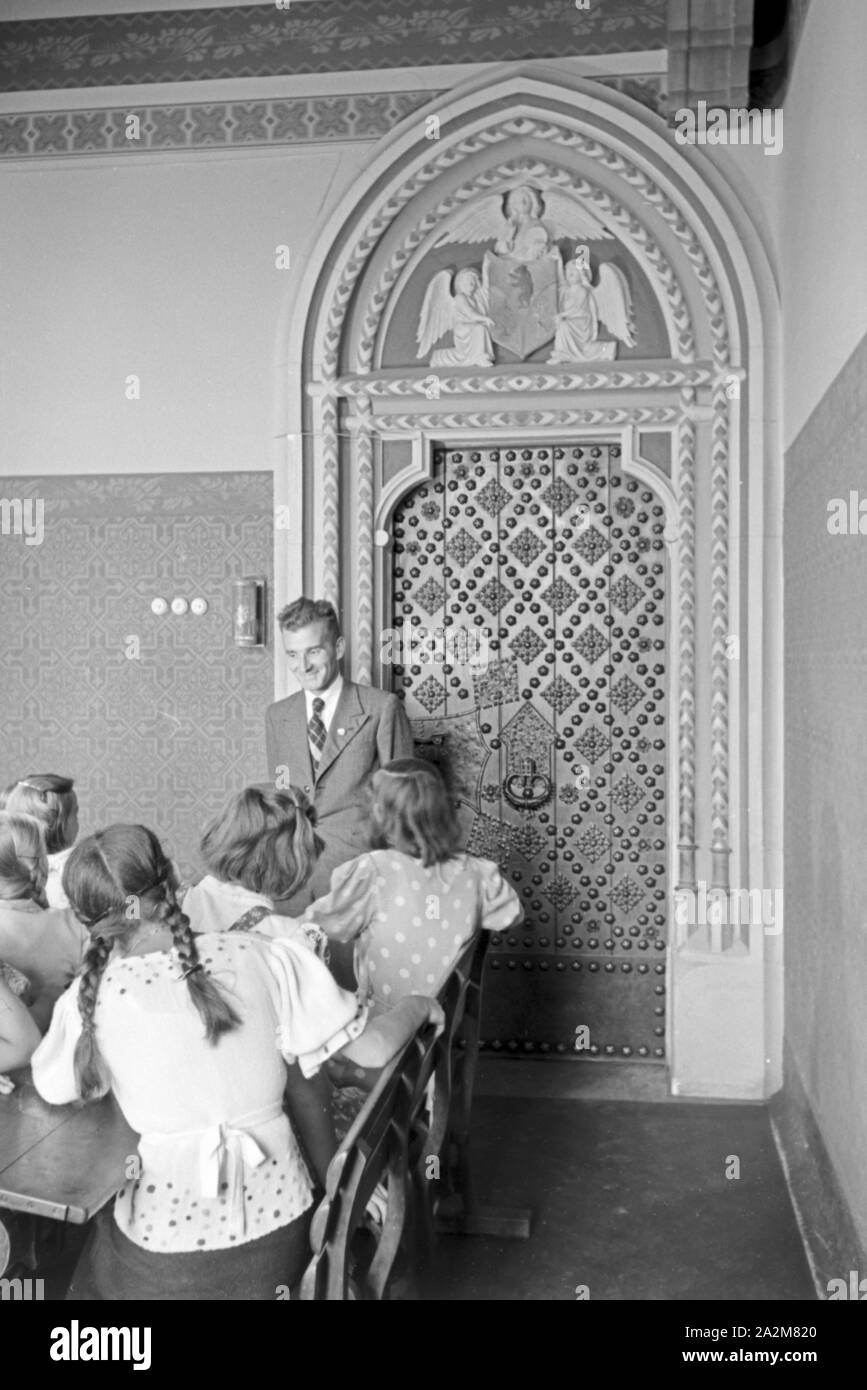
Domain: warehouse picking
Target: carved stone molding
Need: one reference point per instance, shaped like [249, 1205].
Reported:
[330, 503]
[720, 654]
[633, 234]
[618, 378]
[526, 419]
[363, 476]
[686, 626]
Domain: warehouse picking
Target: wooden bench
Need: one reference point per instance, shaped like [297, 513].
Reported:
[452, 1198]
[411, 1138]
[351, 1260]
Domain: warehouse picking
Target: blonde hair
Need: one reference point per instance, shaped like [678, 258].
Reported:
[263, 839]
[23, 858]
[50, 799]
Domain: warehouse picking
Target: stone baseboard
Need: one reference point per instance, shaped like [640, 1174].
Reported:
[828, 1232]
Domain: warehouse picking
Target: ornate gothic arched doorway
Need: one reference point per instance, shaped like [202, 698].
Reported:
[616, 467]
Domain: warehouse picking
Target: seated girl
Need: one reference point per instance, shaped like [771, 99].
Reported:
[261, 846]
[19, 1035]
[194, 1036]
[52, 801]
[46, 944]
[412, 906]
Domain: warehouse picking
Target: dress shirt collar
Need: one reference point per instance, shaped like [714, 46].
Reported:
[330, 698]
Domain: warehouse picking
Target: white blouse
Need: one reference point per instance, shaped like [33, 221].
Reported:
[54, 893]
[215, 906]
[218, 1162]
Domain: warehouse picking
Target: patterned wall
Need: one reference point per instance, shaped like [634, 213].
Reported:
[825, 595]
[328, 36]
[161, 737]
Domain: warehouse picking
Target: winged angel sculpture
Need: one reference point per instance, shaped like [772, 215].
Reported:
[522, 298]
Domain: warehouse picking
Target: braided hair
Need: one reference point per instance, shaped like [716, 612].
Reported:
[112, 880]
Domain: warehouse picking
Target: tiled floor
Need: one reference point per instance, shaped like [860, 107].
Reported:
[630, 1199]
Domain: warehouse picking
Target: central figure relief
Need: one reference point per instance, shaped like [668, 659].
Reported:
[521, 298]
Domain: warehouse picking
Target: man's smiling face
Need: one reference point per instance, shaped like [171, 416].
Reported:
[314, 655]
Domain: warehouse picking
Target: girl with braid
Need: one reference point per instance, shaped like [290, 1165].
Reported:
[45, 944]
[194, 1035]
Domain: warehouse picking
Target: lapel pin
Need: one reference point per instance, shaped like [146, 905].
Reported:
[341, 732]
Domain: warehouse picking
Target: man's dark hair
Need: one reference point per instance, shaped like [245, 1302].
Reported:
[304, 611]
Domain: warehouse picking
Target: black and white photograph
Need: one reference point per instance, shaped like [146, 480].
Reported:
[433, 518]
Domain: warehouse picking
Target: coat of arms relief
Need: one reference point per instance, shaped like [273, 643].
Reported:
[523, 296]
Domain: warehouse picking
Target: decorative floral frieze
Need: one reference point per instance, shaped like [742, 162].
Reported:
[331, 36]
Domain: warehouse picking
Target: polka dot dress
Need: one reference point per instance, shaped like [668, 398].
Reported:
[413, 921]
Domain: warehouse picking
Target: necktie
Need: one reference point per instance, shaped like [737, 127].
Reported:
[316, 733]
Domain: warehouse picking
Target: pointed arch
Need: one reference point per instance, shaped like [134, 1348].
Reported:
[703, 258]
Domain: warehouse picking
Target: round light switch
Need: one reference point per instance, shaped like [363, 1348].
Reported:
[180, 606]
[159, 606]
[199, 606]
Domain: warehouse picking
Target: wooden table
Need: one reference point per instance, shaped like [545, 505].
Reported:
[61, 1161]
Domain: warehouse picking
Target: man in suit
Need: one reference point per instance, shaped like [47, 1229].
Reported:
[329, 737]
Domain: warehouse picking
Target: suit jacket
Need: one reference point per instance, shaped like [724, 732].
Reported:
[369, 729]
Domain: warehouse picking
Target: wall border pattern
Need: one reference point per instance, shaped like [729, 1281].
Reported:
[238, 124]
[206, 125]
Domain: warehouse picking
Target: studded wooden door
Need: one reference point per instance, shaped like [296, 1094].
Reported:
[529, 593]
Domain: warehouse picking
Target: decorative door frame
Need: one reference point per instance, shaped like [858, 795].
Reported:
[716, 395]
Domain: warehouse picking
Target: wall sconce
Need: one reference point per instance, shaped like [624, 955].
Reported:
[248, 612]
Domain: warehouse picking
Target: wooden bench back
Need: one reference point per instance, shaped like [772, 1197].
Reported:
[419, 1106]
